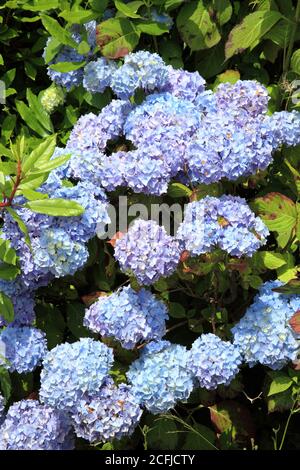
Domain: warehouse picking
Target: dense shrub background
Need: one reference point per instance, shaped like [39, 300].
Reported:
[224, 41]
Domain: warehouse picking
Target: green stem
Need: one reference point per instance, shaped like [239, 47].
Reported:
[288, 422]
[292, 40]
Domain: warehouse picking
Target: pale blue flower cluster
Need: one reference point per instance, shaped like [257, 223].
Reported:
[147, 252]
[72, 370]
[214, 362]
[22, 298]
[31, 426]
[112, 414]
[286, 128]
[185, 85]
[128, 316]
[140, 70]
[161, 376]
[226, 222]
[244, 95]
[264, 334]
[98, 75]
[24, 348]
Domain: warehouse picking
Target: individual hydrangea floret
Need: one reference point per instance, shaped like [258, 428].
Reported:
[128, 316]
[147, 251]
[140, 70]
[214, 362]
[264, 334]
[71, 370]
[31, 426]
[226, 222]
[248, 95]
[24, 348]
[161, 377]
[98, 74]
[112, 414]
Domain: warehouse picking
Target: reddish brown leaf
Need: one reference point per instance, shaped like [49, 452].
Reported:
[116, 237]
[90, 298]
[295, 322]
[231, 416]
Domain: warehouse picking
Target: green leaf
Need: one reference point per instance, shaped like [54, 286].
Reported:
[7, 253]
[52, 49]
[8, 272]
[67, 66]
[8, 126]
[223, 10]
[51, 165]
[30, 118]
[50, 320]
[250, 31]
[35, 105]
[292, 287]
[5, 382]
[163, 434]
[83, 48]
[278, 212]
[32, 195]
[75, 316]
[79, 16]
[152, 28]
[279, 384]
[202, 438]
[295, 62]
[129, 9]
[176, 310]
[229, 76]
[197, 28]
[233, 417]
[42, 153]
[55, 207]
[271, 260]
[57, 31]
[179, 190]
[6, 308]
[280, 34]
[20, 223]
[40, 5]
[117, 37]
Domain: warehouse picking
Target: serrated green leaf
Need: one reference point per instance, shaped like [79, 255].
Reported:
[279, 384]
[117, 37]
[152, 28]
[196, 26]
[252, 28]
[55, 207]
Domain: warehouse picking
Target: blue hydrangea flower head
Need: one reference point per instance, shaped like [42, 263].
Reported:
[98, 74]
[23, 301]
[214, 362]
[31, 426]
[67, 79]
[112, 414]
[161, 377]
[248, 95]
[264, 334]
[141, 69]
[72, 370]
[24, 348]
[57, 253]
[285, 127]
[226, 222]
[128, 316]
[147, 251]
[185, 85]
